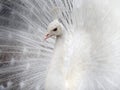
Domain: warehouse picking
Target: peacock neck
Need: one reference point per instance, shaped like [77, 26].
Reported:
[59, 41]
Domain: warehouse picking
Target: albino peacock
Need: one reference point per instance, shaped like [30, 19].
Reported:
[84, 55]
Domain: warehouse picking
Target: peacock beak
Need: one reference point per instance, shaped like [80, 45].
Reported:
[47, 36]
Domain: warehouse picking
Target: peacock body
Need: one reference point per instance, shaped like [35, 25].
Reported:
[84, 55]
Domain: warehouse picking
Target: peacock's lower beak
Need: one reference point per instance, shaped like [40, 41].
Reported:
[47, 36]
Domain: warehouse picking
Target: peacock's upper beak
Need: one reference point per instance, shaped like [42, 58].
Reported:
[47, 36]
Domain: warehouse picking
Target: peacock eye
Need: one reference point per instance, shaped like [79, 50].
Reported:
[55, 29]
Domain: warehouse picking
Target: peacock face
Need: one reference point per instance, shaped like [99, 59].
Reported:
[54, 29]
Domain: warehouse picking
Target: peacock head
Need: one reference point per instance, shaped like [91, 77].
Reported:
[54, 29]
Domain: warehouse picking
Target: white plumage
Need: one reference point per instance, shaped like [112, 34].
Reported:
[87, 56]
